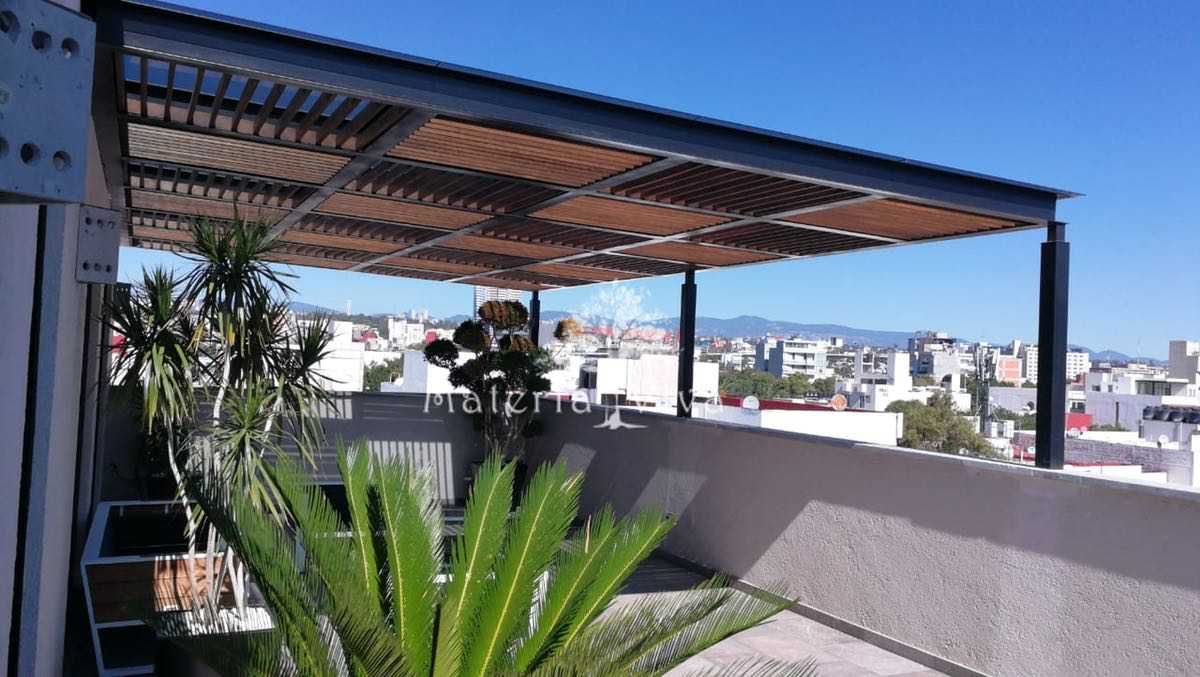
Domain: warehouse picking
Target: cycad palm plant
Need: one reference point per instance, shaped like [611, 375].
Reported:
[372, 594]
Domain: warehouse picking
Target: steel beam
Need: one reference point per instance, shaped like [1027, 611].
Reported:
[535, 317]
[687, 344]
[1052, 349]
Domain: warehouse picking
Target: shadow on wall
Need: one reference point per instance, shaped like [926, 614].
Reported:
[956, 556]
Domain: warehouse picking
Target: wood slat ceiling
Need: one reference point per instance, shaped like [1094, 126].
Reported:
[695, 253]
[211, 98]
[435, 265]
[787, 240]
[171, 178]
[504, 284]
[582, 272]
[218, 152]
[903, 220]
[201, 207]
[454, 189]
[463, 144]
[628, 216]
[541, 232]
[403, 272]
[730, 190]
[494, 245]
[394, 235]
[398, 212]
[632, 264]
[202, 142]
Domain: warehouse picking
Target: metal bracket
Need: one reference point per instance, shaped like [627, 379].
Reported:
[99, 245]
[46, 62]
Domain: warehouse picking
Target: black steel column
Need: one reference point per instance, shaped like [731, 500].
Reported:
[535, 317]
[1052, 349]
[687, 344]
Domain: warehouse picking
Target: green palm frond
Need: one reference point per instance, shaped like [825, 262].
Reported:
[574, 572]
[359, 594]
[472, 559]
[536, 532]
[411, 524]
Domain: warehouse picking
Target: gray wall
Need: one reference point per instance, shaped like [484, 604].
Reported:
[1005, 569]
[394, 424]
[397, 424]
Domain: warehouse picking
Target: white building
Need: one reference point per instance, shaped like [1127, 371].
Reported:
[650, 380]
[424, 378]
[403, 333]
[1078, 362]
[871, 427]
[485, 294]
[783, 357]
[342, 368]
[1183, 361]
[874, 389]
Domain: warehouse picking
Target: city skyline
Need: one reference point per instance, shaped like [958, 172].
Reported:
[998, 110]
[331, 289]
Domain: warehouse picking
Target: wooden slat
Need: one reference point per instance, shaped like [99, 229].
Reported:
[358, 244]
[628, 216]
[508, 247]
[462, 144]
[170, 234]
[221, 209]
[694, 253]
[217, 152]
[582, 272]
[503, 284]
[398, 212]
[439, 266]
[904, 220]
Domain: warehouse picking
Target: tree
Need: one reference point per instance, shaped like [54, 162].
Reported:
[1020, 421]
[620, 311]
[825, 387]
[382, 372]
[936, 426]
[371, 603]
[1108, 427]
[504, 376]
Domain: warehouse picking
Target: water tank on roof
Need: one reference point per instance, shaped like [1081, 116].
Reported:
[1192, 417]
[1175, 416]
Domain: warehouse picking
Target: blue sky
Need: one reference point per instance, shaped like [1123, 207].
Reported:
[1100, 98]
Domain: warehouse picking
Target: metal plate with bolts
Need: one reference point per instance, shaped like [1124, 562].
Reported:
[46, 56]
[99, 245]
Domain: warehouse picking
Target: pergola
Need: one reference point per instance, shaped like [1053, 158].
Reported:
[372, 161]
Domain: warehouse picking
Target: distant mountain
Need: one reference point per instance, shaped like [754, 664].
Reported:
[302, 307]
[752, 326]
[1116, 357]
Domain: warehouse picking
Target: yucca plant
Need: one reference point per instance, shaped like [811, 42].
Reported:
[519, 595]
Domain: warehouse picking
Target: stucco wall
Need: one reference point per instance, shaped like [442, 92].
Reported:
[1005, 569]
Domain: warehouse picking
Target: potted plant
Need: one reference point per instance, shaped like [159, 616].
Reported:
[503, 376]
[373, 594]
[224, 331]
